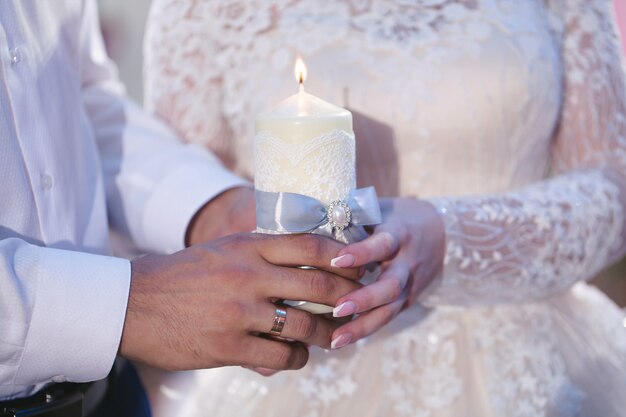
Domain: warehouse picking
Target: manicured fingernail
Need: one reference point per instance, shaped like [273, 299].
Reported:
[264, 371]
[344, 309]
[343, 261]
[340, 341]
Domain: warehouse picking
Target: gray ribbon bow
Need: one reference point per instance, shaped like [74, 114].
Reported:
[297, 213]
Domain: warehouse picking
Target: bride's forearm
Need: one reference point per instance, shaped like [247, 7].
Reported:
[529, 244]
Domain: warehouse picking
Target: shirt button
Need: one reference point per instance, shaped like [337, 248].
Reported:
[46, 182]
[16, 55]
[59, 379]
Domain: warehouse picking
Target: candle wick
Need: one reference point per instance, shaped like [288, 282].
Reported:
[301, 81]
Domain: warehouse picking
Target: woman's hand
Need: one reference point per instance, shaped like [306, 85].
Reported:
[410, 246]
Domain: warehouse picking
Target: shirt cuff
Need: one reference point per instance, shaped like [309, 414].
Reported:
[176, 200]
[77, 322]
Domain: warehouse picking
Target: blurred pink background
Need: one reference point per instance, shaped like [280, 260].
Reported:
[620, 8]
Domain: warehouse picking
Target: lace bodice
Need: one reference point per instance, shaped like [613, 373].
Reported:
[509, 115]
[359, 52]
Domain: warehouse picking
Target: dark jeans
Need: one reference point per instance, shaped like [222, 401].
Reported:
[125, 397]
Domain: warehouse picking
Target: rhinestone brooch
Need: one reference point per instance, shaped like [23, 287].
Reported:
[339, 215]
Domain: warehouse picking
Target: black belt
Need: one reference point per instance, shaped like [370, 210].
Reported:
[58, 400]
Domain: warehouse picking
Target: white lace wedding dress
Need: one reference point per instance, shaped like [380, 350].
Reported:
[509, 115]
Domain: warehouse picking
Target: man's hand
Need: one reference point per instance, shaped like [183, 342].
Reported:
[209, 305]
[232, 211]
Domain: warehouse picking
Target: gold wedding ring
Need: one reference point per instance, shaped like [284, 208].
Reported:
[280, 316]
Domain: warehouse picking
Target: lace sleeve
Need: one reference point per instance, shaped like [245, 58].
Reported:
[182, 84]
[539, 241]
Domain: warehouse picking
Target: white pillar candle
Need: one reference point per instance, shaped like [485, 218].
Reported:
[305, 145]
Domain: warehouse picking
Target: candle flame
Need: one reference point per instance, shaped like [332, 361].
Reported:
[300, 71]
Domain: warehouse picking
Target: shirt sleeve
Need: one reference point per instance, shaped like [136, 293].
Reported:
[154, 183]
[61, 315]
[62, 312]
[537, 242]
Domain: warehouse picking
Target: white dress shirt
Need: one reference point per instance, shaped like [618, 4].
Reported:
[74, 150]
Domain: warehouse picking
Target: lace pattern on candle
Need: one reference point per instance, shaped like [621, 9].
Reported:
[310, 168]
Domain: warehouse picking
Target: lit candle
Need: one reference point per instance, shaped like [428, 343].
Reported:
[305, 145]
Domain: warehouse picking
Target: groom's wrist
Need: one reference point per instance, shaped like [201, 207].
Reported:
[229, 212]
